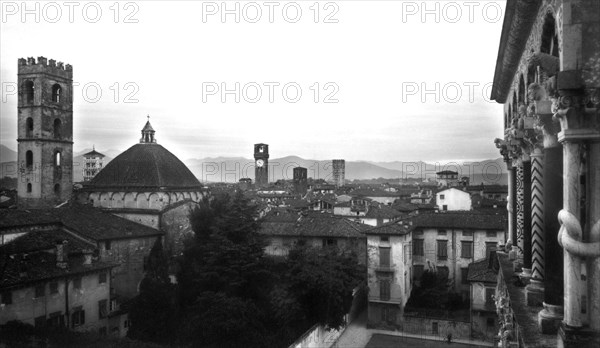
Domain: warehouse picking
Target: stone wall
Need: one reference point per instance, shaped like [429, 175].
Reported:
[130, 254]
[427, 326]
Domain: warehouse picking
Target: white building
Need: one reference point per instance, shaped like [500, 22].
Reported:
[93, 162]
[451, 241]
[453, 199]
[389, 273]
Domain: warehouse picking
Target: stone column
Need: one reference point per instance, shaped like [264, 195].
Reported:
[527, 217]
[520, 221]
[593, 264]
[512, 192]
[580, 230]
[535, 289]
[550, 317]
[509, 207]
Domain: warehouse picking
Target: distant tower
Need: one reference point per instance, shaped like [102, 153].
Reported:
[300, 180]
[339, 172]
[261, 160]
[93, 162]
[245, 183]
[45, 132]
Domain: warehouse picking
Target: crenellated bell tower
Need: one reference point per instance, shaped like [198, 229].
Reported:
[45, 132]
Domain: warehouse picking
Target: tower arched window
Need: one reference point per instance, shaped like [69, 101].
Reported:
[29, 159]
[29, 187]
[57, 189]
[57, 158]
[29, 127]
[28, 91]
[56, 93]
[57, 128]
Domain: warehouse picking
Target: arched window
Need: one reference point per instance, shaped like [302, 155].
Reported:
[57, 158]
[522, 92]
[29, 187]
[29, 128]
[57, 189]
[29, 159]
[56, 93]
[28, 90]
[57, 128]
[549, 38]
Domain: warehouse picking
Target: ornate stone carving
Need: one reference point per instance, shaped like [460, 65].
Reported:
[537, 215]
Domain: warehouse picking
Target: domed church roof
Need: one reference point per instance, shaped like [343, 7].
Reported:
[145, 165]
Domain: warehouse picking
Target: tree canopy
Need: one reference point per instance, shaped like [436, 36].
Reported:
[230, 294]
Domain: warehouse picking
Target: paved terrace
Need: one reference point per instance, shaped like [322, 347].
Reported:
[356, 335]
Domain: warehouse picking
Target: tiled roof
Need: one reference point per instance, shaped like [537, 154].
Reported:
[93, 153]
[19, 218]
[404, 206]
[343, 204]
[84, 220]
[297, 203]
[281, 215]
[44, 240]
[316, 225]
[99, 225]
[489, 188]
[391, 228]
[20, 270]
[147, 165]
[471, 220]
[485, 270]
[365, 192]
[380, 211]
[495, 189]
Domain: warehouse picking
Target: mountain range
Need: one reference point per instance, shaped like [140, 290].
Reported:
[231, 169]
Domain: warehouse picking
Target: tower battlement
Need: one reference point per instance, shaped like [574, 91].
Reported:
[42, 64]
[45, 132]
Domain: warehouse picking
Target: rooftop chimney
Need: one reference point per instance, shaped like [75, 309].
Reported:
[60, 254]
[87, 257]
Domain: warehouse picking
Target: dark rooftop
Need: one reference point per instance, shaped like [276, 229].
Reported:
[146, 165]
[44, 240]
[391, 228]
[315, 225]
[468, 220]
[485, 270]
[86, 221]
[93, 153]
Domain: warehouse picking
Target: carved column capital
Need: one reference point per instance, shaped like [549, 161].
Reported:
[577, 121]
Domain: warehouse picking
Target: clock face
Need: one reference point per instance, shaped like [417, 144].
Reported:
[260, 163]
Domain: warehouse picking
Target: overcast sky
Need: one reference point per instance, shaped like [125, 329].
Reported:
[373, 57]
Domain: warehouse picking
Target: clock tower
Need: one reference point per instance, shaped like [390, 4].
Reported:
[261, 163]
